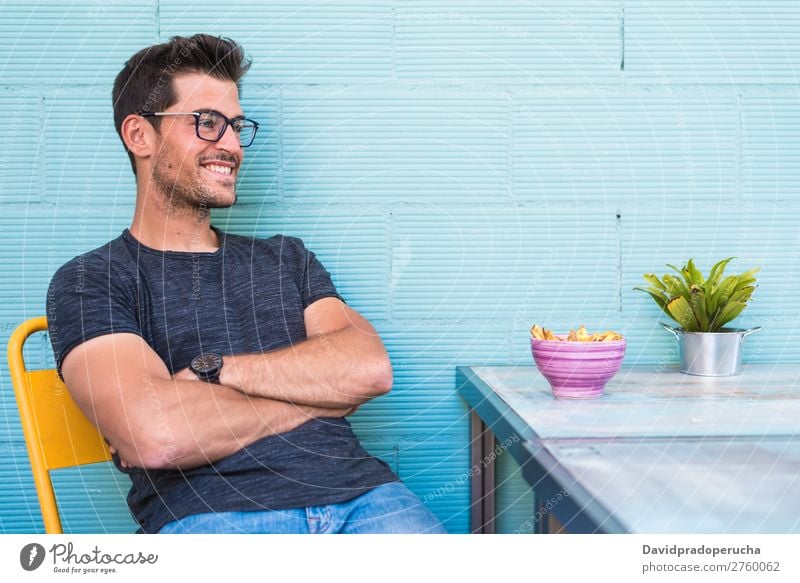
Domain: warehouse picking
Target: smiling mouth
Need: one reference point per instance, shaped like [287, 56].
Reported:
[220, 170]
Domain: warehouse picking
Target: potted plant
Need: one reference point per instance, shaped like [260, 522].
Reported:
[702, 306]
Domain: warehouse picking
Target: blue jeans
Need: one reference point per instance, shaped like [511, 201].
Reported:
[388, 509]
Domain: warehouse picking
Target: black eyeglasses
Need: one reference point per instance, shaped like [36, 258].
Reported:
[210, 125]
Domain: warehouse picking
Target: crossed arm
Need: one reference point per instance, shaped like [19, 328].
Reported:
[155, 420]
[342, 364]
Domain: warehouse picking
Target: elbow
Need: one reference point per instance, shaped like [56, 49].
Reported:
[373, 379]
[161, 457]
[154, 450]
[146, 457]
[382, 378]
[173, 456]
[141, 455]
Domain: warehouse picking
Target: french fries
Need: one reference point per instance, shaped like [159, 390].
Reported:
[579, 335]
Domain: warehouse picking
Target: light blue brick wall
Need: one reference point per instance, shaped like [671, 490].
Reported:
[464, 168]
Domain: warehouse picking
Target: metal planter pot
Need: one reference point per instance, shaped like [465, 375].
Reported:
[711, 354]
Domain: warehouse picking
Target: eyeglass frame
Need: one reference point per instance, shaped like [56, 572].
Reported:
[197, 114]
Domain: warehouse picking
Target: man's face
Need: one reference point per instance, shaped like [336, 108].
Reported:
[188, 171]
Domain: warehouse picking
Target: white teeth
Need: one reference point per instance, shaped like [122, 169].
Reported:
[224, 170]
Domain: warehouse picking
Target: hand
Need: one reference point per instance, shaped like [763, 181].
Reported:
[125, 465]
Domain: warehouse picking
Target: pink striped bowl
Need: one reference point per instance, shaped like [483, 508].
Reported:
[577, 370]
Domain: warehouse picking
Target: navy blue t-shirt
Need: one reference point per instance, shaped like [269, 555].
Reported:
[246, 297]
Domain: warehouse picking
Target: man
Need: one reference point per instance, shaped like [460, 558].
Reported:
[219, 368]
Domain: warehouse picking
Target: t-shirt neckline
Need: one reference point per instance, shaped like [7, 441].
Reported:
[178, 254]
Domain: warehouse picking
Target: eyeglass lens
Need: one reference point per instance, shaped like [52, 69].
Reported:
[211, 126]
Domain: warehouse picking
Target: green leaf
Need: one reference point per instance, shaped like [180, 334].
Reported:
[728, 313]
[675, 287]
[743, 294]
[653, 280]
[725, 289]
[654, 290]
[675, 269]
[681, 312]
[710, 305]
[712, 302]
[747, 278]
[659, 298]
[695, 277]
[716, 273]
[698, 303]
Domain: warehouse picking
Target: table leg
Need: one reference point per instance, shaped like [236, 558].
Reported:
[541, 523]
[544, 521]
[482, 476]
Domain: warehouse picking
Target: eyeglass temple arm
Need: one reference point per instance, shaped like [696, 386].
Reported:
[161, 113]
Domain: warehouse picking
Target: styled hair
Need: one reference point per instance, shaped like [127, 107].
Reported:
[146, 80]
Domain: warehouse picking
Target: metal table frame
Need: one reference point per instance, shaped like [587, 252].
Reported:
[492, 418]
[656, 412]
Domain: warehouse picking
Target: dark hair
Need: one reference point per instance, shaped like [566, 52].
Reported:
[145, 82]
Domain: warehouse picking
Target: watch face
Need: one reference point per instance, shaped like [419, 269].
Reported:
[206, 363]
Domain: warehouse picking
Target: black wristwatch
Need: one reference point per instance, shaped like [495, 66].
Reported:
[207, 367]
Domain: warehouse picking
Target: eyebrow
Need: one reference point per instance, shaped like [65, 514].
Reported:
[212, 110]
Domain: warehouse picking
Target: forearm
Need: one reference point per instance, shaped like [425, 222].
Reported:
[198, 423]
[340, 369]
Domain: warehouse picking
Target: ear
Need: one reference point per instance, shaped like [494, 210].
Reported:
[139, 135]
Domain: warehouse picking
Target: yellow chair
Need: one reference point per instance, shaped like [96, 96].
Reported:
[57, 433]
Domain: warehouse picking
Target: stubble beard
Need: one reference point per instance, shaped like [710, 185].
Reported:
[184, 198]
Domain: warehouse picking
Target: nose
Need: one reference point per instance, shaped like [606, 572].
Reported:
[230, 142]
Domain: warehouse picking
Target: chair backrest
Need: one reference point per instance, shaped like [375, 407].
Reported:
[57, 433]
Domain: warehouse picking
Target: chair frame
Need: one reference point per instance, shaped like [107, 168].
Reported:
[57, 434]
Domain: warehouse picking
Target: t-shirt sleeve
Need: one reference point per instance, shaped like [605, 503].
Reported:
[86, 300]
[314, 280]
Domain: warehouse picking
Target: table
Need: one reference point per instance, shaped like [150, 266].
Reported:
[660, 452]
